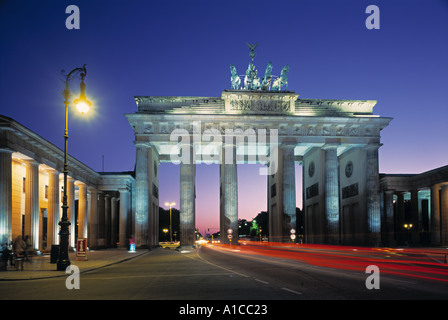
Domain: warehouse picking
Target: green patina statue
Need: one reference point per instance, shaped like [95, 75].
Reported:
[253, 82]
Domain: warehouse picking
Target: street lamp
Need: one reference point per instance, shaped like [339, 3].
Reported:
[83, 106]
[408, 227]
[171, 228]
[165, 231]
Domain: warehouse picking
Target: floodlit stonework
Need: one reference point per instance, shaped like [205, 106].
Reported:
[415, 208]
[31, 188]
[345, 199]
[319, 134]
[336, 142]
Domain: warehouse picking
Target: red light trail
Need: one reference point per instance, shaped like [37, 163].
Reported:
[428, 264]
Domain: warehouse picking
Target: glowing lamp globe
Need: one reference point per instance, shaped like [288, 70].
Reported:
[83, 106]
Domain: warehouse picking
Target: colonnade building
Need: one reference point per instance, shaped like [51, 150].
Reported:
[345, 199]
[415, 208]
[31, 190]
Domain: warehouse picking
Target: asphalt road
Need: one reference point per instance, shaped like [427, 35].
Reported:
[211, 273]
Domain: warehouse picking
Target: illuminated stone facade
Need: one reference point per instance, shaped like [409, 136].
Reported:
[336, 141]
[345, 199]
[31, 188]
[415, 208]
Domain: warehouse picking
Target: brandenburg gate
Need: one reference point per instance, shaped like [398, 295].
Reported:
[259, 120]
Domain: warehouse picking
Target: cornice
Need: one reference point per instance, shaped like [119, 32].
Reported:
[23, 140]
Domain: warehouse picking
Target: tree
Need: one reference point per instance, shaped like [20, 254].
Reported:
[254, 229]
[262, 220]
[243, 227]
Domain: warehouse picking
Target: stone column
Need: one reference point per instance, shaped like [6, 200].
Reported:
[400, 218]
[93, 225]
[82, 211]
[435, 216]
[332, 194]
[415, 230]
[32, 202]
[124, 212]
[229, 194]
[113, 221]
[187, 202]
[153, 198]
[101, 219]
[444, 215]
[373, 196]
[71, 211]
[389, 217]
[53, 208]
[5, 196]
[142, 194]
[288, 193]
[107, 220]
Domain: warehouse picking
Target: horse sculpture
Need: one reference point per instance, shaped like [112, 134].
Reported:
[235, 79]
[251, 81]
[266, 82]
[282, 80]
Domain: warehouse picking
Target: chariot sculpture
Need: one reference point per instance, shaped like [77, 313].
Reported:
[253, 82]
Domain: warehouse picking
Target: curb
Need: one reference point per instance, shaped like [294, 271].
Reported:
[37, 277]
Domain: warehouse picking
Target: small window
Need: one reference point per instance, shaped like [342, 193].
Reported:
[273, 190]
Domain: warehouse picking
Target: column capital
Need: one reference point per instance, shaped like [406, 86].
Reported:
[288, 145]
[142, 144]
[123, 190]
[90, 189]
[32, 162]
[373, 146]
[53, 171]
[330, 146]
[80, 183]
[229, 144]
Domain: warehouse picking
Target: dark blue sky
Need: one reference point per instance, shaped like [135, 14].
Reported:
[138, 47]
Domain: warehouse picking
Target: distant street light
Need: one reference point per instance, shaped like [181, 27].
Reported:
[165, 231]
[170, 204]
[83, 106]
[408, 227]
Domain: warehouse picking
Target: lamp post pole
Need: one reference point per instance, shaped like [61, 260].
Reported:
[171, 228]
[64, 232]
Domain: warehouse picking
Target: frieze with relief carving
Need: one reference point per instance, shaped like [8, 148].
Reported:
[260, 105]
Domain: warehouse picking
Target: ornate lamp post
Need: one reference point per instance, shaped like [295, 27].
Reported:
[83, 106]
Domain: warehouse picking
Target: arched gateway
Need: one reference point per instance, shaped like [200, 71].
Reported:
[260, 121]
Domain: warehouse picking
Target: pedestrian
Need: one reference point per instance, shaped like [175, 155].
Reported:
[18, 250]
[29, 248]
[5, 255]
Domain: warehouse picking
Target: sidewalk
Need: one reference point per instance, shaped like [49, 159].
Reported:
[40, 267]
